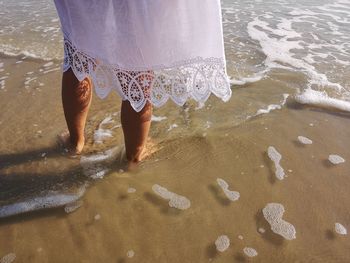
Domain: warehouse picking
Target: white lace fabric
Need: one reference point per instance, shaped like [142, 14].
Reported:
[152, 50]
[196, 79]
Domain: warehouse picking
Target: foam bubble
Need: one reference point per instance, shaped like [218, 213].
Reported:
[246, 80]
[99, 173]
[2, 84]
[208, 124]
[172, 126]
[101, 134]
[222, 243]
[232, 195]
[304, 140]
[250, 252]
[48, 64]
[340, 229]
[106, 120]
[130, 253]
[9, 258]
[28, 80]
[97, 217]
[131, 190]
[158, 118]
[51, 70]
[272, 107]
[335, 159]
[261, 230]
[71, 207]
[273, 213]
[175, 200]
[276, 157]
[93, 165]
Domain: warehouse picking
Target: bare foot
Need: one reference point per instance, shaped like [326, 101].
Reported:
[149, 149]
[71, 148]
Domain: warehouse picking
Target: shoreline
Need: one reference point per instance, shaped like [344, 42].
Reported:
[193, 155]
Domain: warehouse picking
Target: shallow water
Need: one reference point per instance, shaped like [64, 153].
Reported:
[273, 58]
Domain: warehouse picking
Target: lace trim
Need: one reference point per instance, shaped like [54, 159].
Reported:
[196, 79]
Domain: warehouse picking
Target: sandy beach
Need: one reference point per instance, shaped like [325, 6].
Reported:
[213, 173]
[113, 219]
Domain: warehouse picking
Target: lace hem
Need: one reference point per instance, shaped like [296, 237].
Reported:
[196, 79]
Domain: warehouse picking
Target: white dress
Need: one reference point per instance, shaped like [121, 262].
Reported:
[146, 50]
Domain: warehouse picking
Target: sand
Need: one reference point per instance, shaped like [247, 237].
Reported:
[191, 158]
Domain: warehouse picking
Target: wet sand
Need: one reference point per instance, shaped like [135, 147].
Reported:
[205, 144]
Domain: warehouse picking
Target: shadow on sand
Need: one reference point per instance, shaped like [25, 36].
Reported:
[42, 193]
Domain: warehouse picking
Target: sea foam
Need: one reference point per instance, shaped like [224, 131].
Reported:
[272, 107]
[276, 157]
[71, 207]
[250, 252]
[131, 190]
[273, 213]
[52, 199]
[304, 140]
[222, 243]
[321, 99]
[9, 258]
[101, 134]
[158, 118]
[340, 229]
[336, 159]
[175, 200]
[94, 166]
[130, 254]
[231, 195]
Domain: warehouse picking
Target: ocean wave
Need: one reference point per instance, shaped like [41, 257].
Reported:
[245, 80]
[321, 99]
[50, 200]
[14, 53]
[280, 50]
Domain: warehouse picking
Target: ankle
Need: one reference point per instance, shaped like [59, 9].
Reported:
[77, 143]
[135, 156]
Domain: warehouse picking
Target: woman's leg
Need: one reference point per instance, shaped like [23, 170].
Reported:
[76, 99]
[136, 127]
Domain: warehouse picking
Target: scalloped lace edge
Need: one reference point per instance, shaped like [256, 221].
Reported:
[196, 79]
